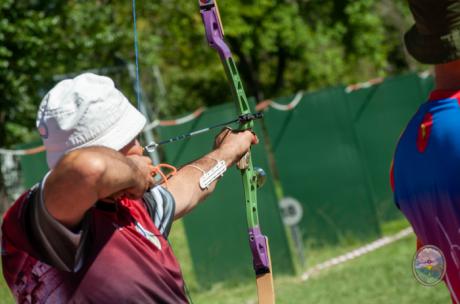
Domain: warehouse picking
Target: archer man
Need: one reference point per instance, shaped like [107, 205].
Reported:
[95, 229]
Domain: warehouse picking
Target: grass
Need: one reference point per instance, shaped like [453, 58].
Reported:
[316, 255]
[5, 294]
[382, 276]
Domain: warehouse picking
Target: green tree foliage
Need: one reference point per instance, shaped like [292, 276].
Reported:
[23, 37]
[42, 39]
[280, 46]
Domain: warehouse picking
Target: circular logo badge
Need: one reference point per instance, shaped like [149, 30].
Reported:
[429, 265]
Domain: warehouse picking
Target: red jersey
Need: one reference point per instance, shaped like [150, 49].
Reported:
[118, 256]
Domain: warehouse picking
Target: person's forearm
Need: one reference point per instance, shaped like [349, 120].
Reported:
[185, 187]
[230, 146]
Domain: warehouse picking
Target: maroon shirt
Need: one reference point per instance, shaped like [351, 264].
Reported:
[118, 255]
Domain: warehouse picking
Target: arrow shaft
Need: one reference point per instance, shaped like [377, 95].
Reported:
[242, 119]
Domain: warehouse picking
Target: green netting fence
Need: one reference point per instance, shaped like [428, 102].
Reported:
[34, 166]
[379, 115]
[334, 150]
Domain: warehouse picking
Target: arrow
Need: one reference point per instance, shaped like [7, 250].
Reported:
[242, 119]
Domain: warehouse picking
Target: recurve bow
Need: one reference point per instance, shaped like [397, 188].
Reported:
[257, 241]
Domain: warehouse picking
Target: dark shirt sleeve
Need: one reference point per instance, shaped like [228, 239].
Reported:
[56, 244]
[161, 207]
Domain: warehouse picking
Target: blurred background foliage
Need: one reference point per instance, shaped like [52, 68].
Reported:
[281, 46]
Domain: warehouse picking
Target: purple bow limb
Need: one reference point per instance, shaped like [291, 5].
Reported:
[214, 32]
[258, 244]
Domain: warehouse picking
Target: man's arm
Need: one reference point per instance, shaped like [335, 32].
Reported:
[184, 186]
[84, 176]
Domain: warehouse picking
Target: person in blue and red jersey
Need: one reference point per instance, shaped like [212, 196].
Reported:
[95, 229]
[426, 168]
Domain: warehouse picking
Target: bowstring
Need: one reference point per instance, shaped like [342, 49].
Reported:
[136, 55]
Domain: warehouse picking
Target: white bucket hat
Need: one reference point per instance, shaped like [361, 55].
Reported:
[86, 111]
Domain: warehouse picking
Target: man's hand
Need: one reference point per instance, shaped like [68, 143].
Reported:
[234, 144]
[142, 176]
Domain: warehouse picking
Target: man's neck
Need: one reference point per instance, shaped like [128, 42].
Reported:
[448, 75]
